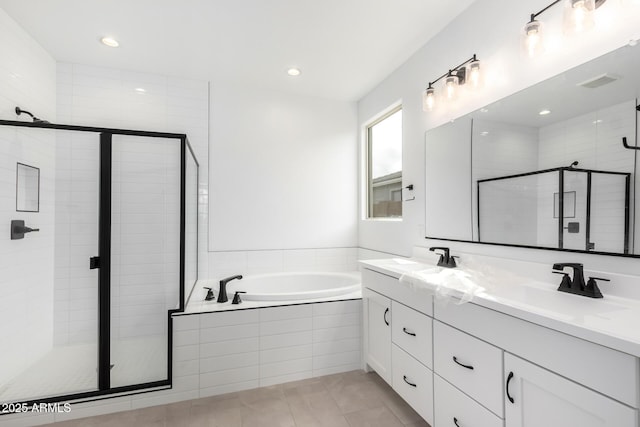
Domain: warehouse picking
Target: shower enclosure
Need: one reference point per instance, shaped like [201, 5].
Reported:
[111, 254]
[562, 208]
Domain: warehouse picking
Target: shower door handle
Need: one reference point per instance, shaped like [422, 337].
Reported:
[94, 262]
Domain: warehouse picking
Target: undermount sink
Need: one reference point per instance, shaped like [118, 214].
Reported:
[549, 300]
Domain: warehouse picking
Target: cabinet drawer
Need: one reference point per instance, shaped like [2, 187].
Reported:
[391, 287]
[611, 372]
[413, 382]
[473, 366]
[412, 331]
[452, 405]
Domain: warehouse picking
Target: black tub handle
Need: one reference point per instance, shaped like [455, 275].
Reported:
[462, 364]
[384, 316]
[509, 378]
[455, 421]
[408, 333]
[404, 377]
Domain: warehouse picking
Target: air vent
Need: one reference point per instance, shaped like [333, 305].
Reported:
[598, 81]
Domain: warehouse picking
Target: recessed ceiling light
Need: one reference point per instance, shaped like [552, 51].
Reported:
[293, 71]
[544, 112]
[109, 41]
[140, 90]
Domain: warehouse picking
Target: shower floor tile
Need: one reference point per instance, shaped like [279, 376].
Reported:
[73, 369]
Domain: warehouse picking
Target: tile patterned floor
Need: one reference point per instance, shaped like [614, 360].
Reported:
[352, 399]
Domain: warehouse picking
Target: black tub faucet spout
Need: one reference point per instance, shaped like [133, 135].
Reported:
[222, 294]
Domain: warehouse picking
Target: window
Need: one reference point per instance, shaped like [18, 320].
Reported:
[384, 172]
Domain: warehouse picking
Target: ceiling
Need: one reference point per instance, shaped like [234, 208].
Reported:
[343, 47]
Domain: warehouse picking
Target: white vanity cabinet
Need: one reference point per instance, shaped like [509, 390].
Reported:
[398, 341]
[377, 350]
[468, 365]
[539, 398]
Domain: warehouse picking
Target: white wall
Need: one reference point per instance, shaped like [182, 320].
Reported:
[27, 79]
[282, 171]
[144, 199]
[490, 29]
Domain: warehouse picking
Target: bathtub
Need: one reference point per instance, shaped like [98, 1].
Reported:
[278, 289]
[296, 286]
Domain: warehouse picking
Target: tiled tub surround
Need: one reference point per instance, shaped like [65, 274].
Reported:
[580, 355]
[222, 352]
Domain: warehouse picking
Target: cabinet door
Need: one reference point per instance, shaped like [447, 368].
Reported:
[543, 399]
[378, 333]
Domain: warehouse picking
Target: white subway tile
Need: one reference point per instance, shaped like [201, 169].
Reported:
[286, 367]
[231, 361]
[284, 340]
[228, 347]
[230, 376]
[286, 353]
[286, 312]
[279, 327]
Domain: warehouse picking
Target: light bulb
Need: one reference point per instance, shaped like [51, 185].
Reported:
[451, 84]
[428, 99]
[532, 40]
[474, 73]
[578, 16]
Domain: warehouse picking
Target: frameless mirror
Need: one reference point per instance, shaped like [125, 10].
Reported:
[27, 188]
[553, 166]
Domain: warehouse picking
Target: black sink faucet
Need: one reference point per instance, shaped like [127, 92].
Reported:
[445, 260]
[222, 294]
[576, 284]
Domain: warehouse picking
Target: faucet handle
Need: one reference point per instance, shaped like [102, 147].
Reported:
[591, 289]
[209, 296]
[565, 284]
[236, 297]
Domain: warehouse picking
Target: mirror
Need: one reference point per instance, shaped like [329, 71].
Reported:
[545, 167]
[27, 188]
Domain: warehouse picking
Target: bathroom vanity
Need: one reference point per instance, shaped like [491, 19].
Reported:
[519, 355]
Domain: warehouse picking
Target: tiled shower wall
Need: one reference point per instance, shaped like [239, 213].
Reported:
[27, 79]
[96, 96]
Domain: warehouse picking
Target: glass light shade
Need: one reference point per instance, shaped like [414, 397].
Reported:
[451, 86]
[428, 99]
[578, 16]
[532, 39]
[474, 77]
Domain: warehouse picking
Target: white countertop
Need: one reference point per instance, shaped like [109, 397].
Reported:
[612, 321]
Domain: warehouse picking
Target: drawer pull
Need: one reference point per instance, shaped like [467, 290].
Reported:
[462, 364]
[509, 378]
[384, 316]
[455, 421]
[408, 333]
[404, 377]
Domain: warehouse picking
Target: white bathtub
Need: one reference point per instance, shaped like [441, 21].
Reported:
[295, 286]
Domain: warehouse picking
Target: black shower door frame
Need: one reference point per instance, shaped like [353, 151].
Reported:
[103, 260]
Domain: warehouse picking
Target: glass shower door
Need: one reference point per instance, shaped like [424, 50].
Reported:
[49, 303]
[145, 256]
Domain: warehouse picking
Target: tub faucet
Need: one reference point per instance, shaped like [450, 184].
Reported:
[222, 294]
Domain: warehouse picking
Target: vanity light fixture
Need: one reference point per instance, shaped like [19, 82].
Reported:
[468, 71]
[578, 17]
[109, 41]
